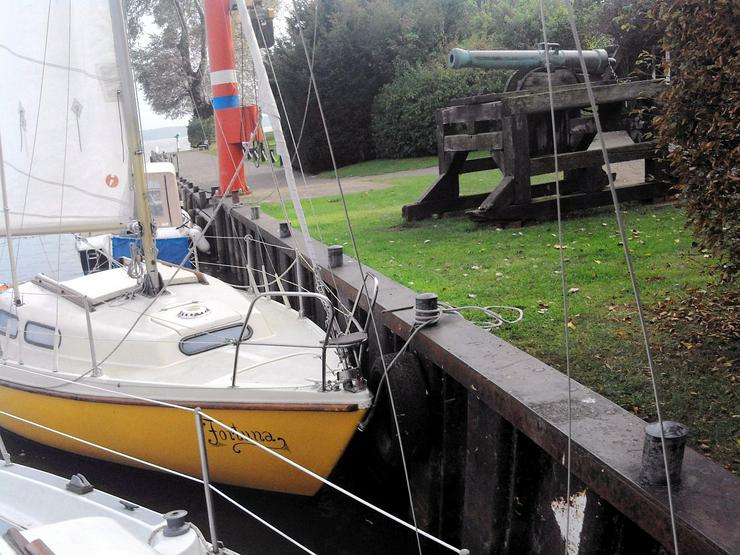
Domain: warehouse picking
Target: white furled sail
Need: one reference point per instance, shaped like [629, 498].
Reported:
[66, 159]
[267, 105]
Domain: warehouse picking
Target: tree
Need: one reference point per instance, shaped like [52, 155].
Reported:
[358, 45]
[699, 125]
[171, 63]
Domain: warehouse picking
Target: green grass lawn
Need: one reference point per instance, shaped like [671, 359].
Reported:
[383, 166]
[468, 263]
[378, 167]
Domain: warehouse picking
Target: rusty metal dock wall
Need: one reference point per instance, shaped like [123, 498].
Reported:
[494, 479]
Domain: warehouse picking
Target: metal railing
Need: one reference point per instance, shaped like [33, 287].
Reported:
[305, 294]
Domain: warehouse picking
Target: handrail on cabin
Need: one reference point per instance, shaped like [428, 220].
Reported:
[326, 303]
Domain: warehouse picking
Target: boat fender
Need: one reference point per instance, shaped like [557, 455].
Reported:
[201, 243]
[411, 400]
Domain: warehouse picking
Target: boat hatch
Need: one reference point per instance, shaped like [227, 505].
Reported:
[197, 316]
[88, 535]
[103, 286]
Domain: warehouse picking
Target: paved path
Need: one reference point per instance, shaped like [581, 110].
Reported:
[202, 168]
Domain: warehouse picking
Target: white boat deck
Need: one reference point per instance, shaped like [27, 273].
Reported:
[39, 506]
[140, 341]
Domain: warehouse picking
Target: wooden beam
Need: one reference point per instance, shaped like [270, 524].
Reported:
[533, 103]
[471, 112]
[589, 158]
[546, 207]
[479, 165]
[500, 197]
[424, 209]
[515, 130]
[479, 141]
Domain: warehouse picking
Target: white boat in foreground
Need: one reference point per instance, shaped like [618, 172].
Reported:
[41, 513]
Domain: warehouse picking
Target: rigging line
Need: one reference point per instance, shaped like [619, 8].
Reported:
[310, 83]
[36, 125]
[395, 417]
[563, 280]
[333, 159]
[342, 307]
[630, 264]
[359, 264]
[332, 485]
[178, 268]
[329, 144]
[160, 468]
[296, 199]
[273, 174]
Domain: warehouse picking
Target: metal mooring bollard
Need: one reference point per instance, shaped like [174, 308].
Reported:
[336, 255]
[653, 467]
[426, 310]
[284, 230]
[254, 212]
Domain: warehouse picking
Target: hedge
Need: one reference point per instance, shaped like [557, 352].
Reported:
[699, 125]
[403, 115]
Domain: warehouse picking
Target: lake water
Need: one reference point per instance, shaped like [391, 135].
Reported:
[166, 145]
[53, 255]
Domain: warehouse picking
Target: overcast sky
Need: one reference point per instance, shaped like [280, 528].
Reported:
[150, 120]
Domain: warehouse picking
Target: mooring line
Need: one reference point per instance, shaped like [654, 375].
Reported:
[160, 468]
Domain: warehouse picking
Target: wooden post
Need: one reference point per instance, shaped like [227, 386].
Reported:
[516, 155]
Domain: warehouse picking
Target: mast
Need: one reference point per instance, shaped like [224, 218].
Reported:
[6, 215]
[130, 110]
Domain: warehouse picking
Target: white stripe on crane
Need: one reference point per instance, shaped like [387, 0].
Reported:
[223, 77]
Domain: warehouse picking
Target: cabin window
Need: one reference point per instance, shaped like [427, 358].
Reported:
[8, 324]
[41, 335]
[213, 339]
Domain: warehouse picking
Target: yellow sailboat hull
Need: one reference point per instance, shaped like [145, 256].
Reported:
[312, 437]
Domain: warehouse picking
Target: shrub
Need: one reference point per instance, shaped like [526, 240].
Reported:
[200, 130]
[699, 124]
[403, 116]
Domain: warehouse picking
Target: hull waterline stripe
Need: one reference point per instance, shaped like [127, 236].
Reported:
[216, 405]
[224, 102]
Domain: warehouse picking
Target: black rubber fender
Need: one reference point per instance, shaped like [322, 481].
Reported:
[411, 401]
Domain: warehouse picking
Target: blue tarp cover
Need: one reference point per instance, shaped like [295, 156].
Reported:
[172, 249]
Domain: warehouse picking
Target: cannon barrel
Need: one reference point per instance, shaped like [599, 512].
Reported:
[597, 61]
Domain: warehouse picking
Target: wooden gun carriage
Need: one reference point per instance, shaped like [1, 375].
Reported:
[515, 128]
